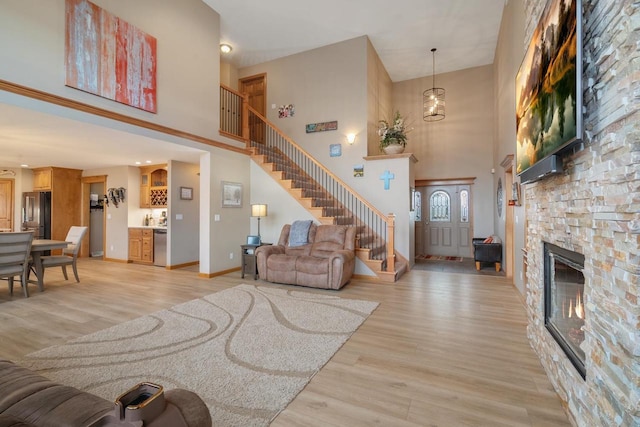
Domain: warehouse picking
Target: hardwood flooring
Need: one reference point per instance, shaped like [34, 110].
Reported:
[442, 349]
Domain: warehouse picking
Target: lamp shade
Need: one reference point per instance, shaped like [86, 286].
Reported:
[259, 210]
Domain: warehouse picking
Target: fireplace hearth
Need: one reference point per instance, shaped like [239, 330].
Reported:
[564, 301]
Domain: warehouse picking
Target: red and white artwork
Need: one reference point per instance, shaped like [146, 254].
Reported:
[109, 57]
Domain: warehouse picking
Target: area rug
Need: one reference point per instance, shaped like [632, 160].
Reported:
[440, 258]
[247, 351]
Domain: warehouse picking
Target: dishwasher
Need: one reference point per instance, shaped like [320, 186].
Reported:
[160, 247]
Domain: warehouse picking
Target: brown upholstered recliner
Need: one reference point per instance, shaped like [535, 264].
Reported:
[31, 400]
[326, 261]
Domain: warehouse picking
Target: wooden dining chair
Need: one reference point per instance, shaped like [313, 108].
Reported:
[69, 254]
[15, 250]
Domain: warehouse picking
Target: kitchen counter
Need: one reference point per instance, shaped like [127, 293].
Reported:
[151, 227]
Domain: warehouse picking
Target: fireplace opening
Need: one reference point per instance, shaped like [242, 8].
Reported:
[564, 301]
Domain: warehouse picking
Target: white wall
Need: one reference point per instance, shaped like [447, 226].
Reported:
[324, 84]
[461, 145]
[509, 55]
[187, 66]
[183, 215]
[220, 240]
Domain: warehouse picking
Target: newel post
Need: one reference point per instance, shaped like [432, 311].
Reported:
[391, 259]
[245, 119]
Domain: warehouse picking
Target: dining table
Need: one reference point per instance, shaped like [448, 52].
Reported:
[38, 246]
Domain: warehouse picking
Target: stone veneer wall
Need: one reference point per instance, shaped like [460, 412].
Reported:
[594, 208]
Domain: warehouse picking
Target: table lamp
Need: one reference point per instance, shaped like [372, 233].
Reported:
[259, 211]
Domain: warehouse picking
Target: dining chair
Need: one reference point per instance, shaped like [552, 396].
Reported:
[15, 250]
[69, 254]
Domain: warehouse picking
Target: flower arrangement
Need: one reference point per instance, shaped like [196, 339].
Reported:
[394, 133]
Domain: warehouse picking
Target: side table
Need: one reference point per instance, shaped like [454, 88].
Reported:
[249, 264]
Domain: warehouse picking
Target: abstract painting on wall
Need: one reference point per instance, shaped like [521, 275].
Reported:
[109, 57]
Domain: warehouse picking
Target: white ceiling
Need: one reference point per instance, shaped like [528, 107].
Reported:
[402, 32]
[40, 139]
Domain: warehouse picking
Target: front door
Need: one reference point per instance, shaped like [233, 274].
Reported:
[6, 205]
[256, 89]
[446, 216]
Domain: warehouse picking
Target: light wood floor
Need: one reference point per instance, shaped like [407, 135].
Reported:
[442, 349]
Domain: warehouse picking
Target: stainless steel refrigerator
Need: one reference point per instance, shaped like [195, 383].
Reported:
[36, 213]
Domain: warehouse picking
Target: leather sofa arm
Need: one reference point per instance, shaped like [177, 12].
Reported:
[342, 264]
[263, 253]
[343, 255]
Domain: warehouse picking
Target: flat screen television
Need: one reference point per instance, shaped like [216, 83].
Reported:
[549, 92]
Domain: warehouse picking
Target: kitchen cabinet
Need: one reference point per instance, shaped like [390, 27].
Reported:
[141, 245]
[42, 179]
[65, 186]
[153, 186]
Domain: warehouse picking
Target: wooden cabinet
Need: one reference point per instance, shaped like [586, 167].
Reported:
[42, 178]
[153, 186]
[66, 193]
[141, 245]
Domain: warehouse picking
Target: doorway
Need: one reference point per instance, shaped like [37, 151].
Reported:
[93, 216]
[6, 205]
[446, 225]
[256, 89]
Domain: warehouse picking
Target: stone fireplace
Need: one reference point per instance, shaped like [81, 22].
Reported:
[593, 209]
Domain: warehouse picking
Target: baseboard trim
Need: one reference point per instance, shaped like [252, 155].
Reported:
[186, 264]
[218, 273]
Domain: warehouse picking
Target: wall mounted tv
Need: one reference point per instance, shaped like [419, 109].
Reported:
[549, 92]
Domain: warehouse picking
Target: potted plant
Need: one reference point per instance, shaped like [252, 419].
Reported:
[393, 136]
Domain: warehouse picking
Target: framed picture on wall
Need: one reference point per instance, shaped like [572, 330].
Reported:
[231, 194]
[186, 193]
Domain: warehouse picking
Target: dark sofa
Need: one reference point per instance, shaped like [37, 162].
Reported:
[28, 399]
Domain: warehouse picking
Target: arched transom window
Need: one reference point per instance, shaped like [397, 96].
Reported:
[440, 204]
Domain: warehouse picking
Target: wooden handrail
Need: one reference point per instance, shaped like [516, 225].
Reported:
[320, 165]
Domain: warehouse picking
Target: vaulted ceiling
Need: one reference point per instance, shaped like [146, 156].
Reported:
[402, 32]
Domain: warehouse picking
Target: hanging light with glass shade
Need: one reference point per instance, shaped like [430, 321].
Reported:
[433, 99]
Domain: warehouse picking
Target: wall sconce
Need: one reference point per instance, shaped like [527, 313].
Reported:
[225, 48]
[351, 138]
[259, 211]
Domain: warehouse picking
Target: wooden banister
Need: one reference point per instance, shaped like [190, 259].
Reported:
[318, 164]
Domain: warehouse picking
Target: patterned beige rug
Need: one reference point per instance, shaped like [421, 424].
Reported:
[247, 351]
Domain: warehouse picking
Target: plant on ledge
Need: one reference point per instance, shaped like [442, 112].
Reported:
[393, 134]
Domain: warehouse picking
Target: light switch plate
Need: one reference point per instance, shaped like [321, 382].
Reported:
[178, 216]
[216, 217]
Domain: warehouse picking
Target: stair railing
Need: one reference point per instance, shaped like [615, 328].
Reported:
[316, 182]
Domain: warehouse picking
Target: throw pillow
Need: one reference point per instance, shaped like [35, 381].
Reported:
[299, 233]
[488, 240]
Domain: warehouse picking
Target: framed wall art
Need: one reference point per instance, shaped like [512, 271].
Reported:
[186, 193]
[231, 194]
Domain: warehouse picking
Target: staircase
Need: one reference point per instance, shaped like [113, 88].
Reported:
[323, 194]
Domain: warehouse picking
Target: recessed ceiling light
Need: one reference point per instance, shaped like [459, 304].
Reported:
[138, 163]
[24, 166]
[148, 162]
[225, 48]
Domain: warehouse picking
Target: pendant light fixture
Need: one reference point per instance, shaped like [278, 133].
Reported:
[433, 99]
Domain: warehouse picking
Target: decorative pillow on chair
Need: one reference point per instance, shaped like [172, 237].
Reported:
[488, 240]
[299, 233]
